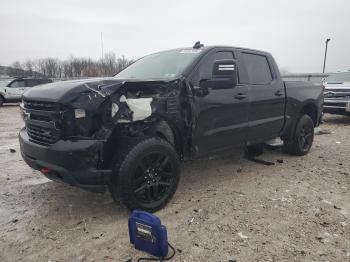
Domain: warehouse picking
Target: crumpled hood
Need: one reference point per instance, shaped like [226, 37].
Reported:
[66, 91]
[84, 93]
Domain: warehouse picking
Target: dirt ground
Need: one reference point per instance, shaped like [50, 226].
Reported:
[226, 207]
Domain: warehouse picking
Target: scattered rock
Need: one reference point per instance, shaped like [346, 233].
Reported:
[12, 150]
[280, 161]
[81, 258]
[14, 220]
[336, 207]
[240, 234]
[343, 224]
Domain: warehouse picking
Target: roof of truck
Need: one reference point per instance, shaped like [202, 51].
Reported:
[207, 48]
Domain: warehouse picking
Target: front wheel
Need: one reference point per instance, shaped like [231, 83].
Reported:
[2, 100]
[146, 174]
[303, 137]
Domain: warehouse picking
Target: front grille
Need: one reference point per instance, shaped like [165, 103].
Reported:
[44, 121]
[334, 104]
[45, 106]
[43, 135]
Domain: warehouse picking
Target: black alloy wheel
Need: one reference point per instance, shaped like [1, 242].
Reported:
[146, 174]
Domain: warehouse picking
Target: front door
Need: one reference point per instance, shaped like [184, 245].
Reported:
[16, 89]
[221, 113]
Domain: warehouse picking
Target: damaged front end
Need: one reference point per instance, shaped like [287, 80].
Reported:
[72, 129]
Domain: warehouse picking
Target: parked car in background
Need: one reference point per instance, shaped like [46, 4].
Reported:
[11, 90]
[337, 93]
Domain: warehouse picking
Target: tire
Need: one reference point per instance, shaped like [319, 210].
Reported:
[302, 138]
[2, 100]
[146, 173]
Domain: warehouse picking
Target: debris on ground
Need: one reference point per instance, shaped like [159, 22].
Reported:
[260, 161]
[12, 150]
[240, 234]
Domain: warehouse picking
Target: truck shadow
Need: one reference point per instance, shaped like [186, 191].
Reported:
[65, 205]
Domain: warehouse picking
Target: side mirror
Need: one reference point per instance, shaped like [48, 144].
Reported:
[224, 74]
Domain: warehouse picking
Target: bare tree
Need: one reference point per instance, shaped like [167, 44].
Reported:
[73, 67]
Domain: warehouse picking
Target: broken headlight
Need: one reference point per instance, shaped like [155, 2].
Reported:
[114, 109]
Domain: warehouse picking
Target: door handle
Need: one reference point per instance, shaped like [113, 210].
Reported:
[279, 93]
[240, 96]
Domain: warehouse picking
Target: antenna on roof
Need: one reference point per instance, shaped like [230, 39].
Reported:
[198, 45]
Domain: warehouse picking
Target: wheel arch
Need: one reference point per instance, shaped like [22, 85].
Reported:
[166, 129]
[310, 109]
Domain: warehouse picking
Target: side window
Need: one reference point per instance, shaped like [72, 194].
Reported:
[258, 68]
[17, 83]
[31, 82]
[205, 70]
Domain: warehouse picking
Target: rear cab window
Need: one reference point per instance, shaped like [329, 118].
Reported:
[257, 68]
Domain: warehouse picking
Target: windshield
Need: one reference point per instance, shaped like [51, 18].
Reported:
[163, 65]
[338, 78]
[5, 82]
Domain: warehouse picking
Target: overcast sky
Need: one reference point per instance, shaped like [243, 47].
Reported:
[293, 31]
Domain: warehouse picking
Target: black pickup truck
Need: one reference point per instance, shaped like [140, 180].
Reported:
[130, 132]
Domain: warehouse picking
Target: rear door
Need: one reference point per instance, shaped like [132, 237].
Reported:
[222, 114]
[267, 96]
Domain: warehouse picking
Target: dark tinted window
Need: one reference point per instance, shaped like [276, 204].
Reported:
[31, 82]
[205, 70]
[17, 83]
[258, 68]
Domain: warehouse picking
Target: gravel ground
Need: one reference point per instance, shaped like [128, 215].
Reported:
[226, 207]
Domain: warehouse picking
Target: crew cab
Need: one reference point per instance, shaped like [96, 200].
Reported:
[131, 131]
[337, 93]
[11, 89]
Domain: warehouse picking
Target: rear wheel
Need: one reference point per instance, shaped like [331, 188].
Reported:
[303, 137]
[146, 174]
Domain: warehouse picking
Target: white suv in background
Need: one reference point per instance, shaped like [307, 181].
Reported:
[11, 90]
[337, 93]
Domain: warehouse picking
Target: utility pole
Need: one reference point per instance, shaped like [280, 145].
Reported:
[325, 55]
[101, 46]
